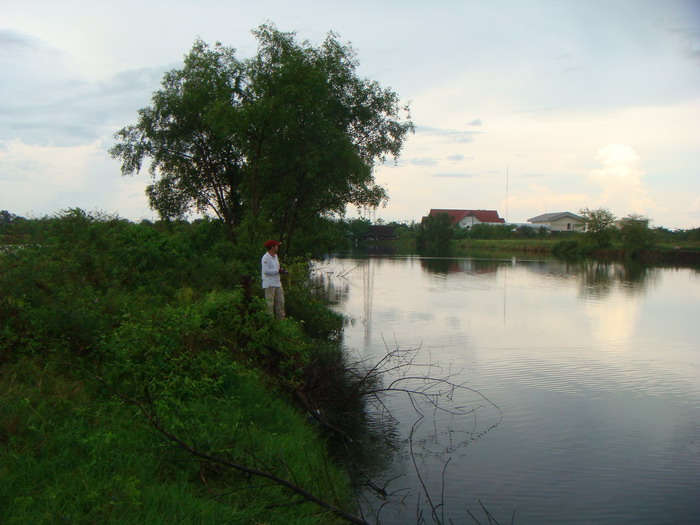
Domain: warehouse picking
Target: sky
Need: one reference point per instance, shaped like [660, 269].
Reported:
[525, 107]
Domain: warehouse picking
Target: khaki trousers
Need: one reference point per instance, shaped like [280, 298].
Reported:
[274, 296]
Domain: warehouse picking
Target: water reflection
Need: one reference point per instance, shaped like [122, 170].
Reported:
[600, 279]
[445, 266]
[597, 278]
[595, 367]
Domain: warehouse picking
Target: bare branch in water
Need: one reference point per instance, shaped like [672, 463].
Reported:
[427, 385]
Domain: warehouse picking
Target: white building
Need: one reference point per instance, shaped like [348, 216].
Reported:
[561, 221]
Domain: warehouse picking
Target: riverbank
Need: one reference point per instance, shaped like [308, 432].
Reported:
[682, 255]
[140, 383]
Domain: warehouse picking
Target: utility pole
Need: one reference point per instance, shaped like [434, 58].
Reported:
[507, 175]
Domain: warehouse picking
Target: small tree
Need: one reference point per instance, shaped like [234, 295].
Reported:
[599, 225]
[358, 228]
[636, 234]
[437, 231]
[6, 217]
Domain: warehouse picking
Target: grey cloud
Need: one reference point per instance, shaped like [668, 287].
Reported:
[449, 135]
[454, 175]
[46, 101]
[67, 111]
[689, 41]
[475, 122]
[428, 161]
[16, 44]
[459, 157]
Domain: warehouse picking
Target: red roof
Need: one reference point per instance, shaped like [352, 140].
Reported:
[488, 216]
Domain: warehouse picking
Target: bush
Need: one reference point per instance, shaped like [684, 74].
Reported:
[636, 234]
[567, 248]
[92, 306]
[72, 457]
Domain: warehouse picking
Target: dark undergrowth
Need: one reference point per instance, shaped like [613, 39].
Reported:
[124, 348]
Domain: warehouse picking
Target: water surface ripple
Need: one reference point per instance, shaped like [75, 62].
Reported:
[590, 374]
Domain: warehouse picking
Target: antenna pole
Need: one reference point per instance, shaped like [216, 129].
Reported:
[507, 175]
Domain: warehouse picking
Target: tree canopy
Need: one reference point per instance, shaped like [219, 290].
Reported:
[599, 224]
[436, 232]
[636, 233]
[286, 136]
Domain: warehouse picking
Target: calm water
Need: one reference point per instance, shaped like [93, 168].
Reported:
[583, 388]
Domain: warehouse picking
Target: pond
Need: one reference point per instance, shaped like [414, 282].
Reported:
[562, 392]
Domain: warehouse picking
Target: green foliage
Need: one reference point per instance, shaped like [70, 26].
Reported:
[599, 225]
[190, 136]
[7, 217]
[356, 229]
[318, 321]
[693, 235]
[76, 275]
[490, 231]
[568, 248]
[70, 455]
[636, 234]
[92, 306]
[436, 233]
[318, 237]
[283, 138]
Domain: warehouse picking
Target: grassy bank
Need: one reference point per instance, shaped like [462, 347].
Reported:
[685, 253]
[505, 246]
[136, 374]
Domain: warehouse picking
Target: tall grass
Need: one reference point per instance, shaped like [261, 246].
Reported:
[103, 321]
[70, 455]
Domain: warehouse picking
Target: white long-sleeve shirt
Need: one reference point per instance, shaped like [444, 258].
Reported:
[270, 271]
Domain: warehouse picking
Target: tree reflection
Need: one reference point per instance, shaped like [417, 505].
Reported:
[600, 278]
[326, 284]
[596, 278]
[444, 266]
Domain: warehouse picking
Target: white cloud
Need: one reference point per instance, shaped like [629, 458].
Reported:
[427, 161]
[537, 92]
[538, 199]
[36, 180]
[454, 175]
[621, 181]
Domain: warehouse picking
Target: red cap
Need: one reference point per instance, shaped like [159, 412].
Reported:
[269, 244]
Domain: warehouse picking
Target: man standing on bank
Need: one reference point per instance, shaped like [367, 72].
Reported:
[271, 283]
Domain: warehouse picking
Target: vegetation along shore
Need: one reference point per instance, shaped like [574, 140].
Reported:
[141, 379]
[140, 385]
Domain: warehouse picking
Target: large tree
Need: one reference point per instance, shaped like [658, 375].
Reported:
[190, 135]
[325, 127]
[290, 134]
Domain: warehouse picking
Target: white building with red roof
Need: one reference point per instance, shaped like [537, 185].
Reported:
[468, 218]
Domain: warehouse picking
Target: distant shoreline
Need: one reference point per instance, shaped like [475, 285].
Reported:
[662, 255]
[682, 256]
